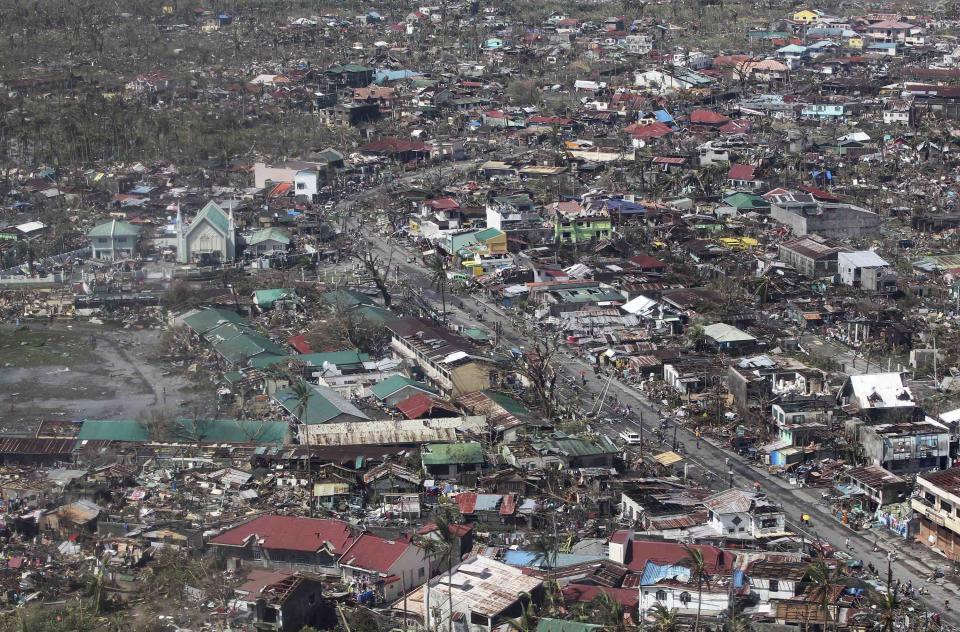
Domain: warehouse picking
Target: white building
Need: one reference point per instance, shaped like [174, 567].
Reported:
[744, 515]
[114, 240]
[398, 564]
[867, 270]
[306, 177]
[482, 594]
[210, 238]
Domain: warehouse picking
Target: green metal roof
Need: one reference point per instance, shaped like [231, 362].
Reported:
[452, 453]
[324, 405]
[113, 430]
[213, 214]
[211, 317]
[475, 334]
[488, 233]
[389, 386]
[506, 402]
[114, 228]
[562, 625]
[226, 331]
[230, 431]
[347, 298]
[743, 200]
[266, 298]
[246, 346]
[376, 314]
[265, 234]
[572, 446]
[462, 240]
[186, 431]
[268, 360]
[337, 358]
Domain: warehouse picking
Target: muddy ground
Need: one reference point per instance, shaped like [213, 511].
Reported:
[84, 371]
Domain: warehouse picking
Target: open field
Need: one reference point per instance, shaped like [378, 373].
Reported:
[82, 371]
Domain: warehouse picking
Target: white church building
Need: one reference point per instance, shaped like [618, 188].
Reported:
[210, 238]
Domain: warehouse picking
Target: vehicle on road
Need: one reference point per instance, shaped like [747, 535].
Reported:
[630, 438]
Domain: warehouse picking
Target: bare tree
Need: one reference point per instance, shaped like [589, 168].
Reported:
[535, 366]
[374, 265]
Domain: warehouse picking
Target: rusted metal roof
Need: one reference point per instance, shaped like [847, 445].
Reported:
[15, 445]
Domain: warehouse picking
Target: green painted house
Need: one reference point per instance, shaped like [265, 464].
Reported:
[397, 388]
[324, 405]
[192, 431]
[452, 459]
[746, 202]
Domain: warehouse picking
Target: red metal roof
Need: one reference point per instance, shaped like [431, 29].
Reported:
[300, 344]
[624, 596]
[741, 172]
[422, 405]
[707, 117]
[819, 194]
[509, 505]
[467, 502]
[654, 130]
[647, 262]
[289, 533]
[373, 553]
[459, 530]
[642, 551]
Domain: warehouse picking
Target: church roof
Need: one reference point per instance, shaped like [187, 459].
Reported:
[213, 214]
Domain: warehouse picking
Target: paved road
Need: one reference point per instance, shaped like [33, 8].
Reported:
[709, 457]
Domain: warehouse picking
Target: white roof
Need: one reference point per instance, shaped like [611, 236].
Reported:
[881, 390]
[392, 432]
[479, 585]
[862, 259]
[722, 332]
[30, 227]
[951, 416]
[640, 305]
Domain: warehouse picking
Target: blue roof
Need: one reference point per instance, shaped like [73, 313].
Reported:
[625, 207]
[654, 573]
[394, 75]
[528, 559]
[663, 116]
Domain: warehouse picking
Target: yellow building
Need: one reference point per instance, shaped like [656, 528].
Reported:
[806, 16]
[855, 42]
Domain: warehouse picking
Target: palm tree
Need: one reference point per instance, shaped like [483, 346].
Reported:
[664, 620]
[698, 572]
[438, 279]
[302, 392]
[739, 623]
[431, 549]
[526, 622]
[889, 606]
[823, 579]
[439, 545]
[608, 612]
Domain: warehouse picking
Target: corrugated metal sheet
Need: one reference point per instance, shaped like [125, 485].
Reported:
[15, 445]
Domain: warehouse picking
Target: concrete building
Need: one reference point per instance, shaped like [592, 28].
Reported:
[865, 269]
[811, 255]
[937, 503]
[839, 221]
[448, 361]
[306, 177]
[905, 447]
[114, 240]
[209, 239]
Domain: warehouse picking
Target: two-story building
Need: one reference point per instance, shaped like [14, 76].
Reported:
[114, 240]
[513, 213]
[575, 224]
[738, 514]
[448, 361]
[937, 502]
